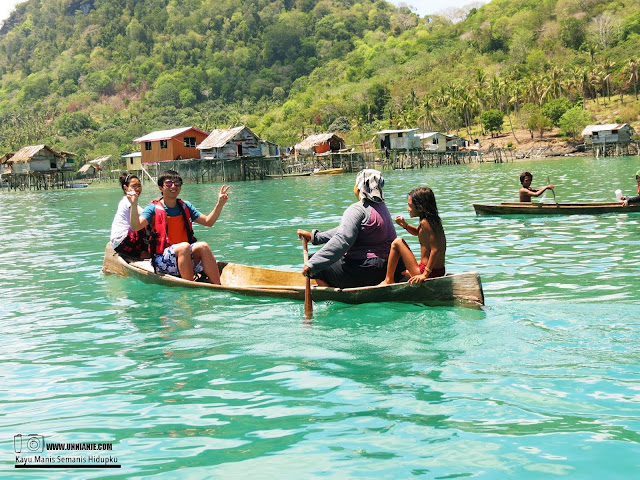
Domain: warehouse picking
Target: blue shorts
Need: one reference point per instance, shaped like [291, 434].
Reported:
[167, 262]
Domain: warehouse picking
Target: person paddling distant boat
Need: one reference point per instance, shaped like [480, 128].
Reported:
[526, 192]
[627, 200]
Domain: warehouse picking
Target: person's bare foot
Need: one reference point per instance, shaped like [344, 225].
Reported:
[385, 282]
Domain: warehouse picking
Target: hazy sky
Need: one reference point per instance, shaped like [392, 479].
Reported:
[424, 7]
[421, 7]
[6, 7]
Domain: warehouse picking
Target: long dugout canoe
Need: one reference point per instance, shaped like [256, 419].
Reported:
[567, 208]
[463, 289]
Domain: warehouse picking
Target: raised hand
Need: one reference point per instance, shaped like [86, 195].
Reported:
[132, 195]
[401, 221]
[223, 196]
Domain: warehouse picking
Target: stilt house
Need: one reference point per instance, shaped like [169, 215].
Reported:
[37, 158]
[398, 139]
[433, 141]
[613, 133]
[320, 143]
[133, 161]
[230, 143]
[174, 144]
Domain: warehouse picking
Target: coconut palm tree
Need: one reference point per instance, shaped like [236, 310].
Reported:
[607, 67]
[632, 71]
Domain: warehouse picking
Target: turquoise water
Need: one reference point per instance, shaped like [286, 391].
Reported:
[543, 382]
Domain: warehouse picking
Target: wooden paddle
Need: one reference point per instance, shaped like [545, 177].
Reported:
[552, 190]
[308, 304]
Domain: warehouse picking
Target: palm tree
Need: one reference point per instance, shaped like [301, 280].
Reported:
[607, 67]
[596, 80]
[584, 82]
[427, 115]
[512, 92]
[554, 79]
[632, 70]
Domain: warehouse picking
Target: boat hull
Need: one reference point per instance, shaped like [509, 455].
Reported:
[330, 171]
[456, 289]
[569, 208]
[285, 175]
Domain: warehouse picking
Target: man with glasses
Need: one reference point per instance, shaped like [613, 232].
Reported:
[173, 247]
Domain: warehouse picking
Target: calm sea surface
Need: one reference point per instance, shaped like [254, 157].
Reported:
[543, 382]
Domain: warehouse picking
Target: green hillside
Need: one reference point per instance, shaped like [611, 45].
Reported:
[90, 75]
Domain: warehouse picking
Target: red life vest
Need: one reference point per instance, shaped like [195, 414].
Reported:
[159, 232]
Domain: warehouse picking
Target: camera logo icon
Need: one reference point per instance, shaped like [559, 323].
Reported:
[28, 443]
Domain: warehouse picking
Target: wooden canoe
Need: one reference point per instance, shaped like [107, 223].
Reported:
[568, 208]
[453, 289]
[285, 175]
[330, 171]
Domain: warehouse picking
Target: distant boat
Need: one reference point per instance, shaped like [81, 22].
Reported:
[78, 185]
[284, 175]
[329, 171]
[568, 208]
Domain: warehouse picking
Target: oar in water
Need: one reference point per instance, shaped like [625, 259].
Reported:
[552, 190]
[308, 304]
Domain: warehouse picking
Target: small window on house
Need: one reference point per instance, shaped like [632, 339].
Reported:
[163, 144]
[239, 149]
[400, 135]
[434, 141]
[614, 131]
[147, 146]
[190, 142]
[52, 163]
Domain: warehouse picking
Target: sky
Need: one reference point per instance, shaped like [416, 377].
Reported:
[6, 7]
[421, 7]
[426, 7]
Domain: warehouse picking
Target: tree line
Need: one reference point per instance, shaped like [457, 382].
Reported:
[89, 77]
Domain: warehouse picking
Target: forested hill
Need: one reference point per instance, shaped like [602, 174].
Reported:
[90, 75]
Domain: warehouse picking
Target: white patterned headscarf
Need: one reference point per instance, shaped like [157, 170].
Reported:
[370, 183]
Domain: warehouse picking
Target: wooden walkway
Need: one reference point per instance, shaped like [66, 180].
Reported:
[38, 180]
[393, 160]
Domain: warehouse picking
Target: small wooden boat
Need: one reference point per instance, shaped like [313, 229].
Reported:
[78, 185]
[453, 289]
[568, 208]
[285, 175]
[329, 171]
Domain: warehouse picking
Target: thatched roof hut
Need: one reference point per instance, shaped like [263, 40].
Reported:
[320, 143]
[40, 158]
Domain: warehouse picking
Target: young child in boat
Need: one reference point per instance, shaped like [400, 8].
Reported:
[526, 192]
[627, 200]
[124, 239]
[421, 202]
[172, 245]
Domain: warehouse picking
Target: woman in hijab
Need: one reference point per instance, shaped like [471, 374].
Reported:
[355, 253]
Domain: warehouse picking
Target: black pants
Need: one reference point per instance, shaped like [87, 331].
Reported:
[349, 274]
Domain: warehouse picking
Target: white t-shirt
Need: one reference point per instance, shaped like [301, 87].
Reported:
[121, 225]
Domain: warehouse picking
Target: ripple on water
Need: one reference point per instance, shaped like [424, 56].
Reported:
[194, 384]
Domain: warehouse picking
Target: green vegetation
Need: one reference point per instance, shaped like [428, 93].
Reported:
[90, 76]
